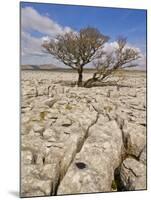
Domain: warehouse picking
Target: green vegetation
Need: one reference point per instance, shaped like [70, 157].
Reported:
[42, 115]
[114, 185]
[108, 108]
[68, 107]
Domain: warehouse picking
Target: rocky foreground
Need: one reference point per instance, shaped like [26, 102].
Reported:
[81, 140]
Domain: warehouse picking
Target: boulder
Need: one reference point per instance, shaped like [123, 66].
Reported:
[133, 174]
[92, 170]
[135, 136]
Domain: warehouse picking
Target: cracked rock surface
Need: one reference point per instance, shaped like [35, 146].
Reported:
[133, 174]
[74, 139]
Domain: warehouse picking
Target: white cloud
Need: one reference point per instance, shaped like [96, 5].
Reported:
[142, 62]
[29, 44]
[111, 46]
[45, 39]
[32, 20]
[31, 49]
[32, 53]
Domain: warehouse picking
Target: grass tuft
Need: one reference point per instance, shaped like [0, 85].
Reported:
[43, 115]
[114, 185]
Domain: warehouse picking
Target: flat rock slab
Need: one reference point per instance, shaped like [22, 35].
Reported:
[93, 168]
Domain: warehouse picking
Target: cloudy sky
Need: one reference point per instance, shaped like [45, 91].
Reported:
[40, 21]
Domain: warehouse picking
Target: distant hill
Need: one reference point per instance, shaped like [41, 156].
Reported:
[51, 67]
[39, 67]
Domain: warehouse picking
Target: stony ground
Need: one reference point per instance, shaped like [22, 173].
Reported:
[81, 140]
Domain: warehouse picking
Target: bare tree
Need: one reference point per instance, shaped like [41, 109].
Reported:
[77, 49]
[120, 58]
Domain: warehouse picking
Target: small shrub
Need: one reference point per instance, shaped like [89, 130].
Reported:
[108, 108]
[68, 107]
[42, 115]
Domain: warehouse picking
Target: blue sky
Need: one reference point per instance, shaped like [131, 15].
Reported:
[113, 22]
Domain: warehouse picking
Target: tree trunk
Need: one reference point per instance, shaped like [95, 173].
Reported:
[80, 77]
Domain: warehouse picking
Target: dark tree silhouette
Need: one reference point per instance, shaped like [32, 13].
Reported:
[120, 58]
[77, 49]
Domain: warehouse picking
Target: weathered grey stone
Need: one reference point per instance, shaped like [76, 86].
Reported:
[38, 128]
[143, 156]
[133, 174]
[50, 102]
[49, 133]
[42, 90]
[26, 157]
[31, 184]
[71, 150]
[29, 91]
[64, 121]
[33, 143]
[96, 155]
[135, 136]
